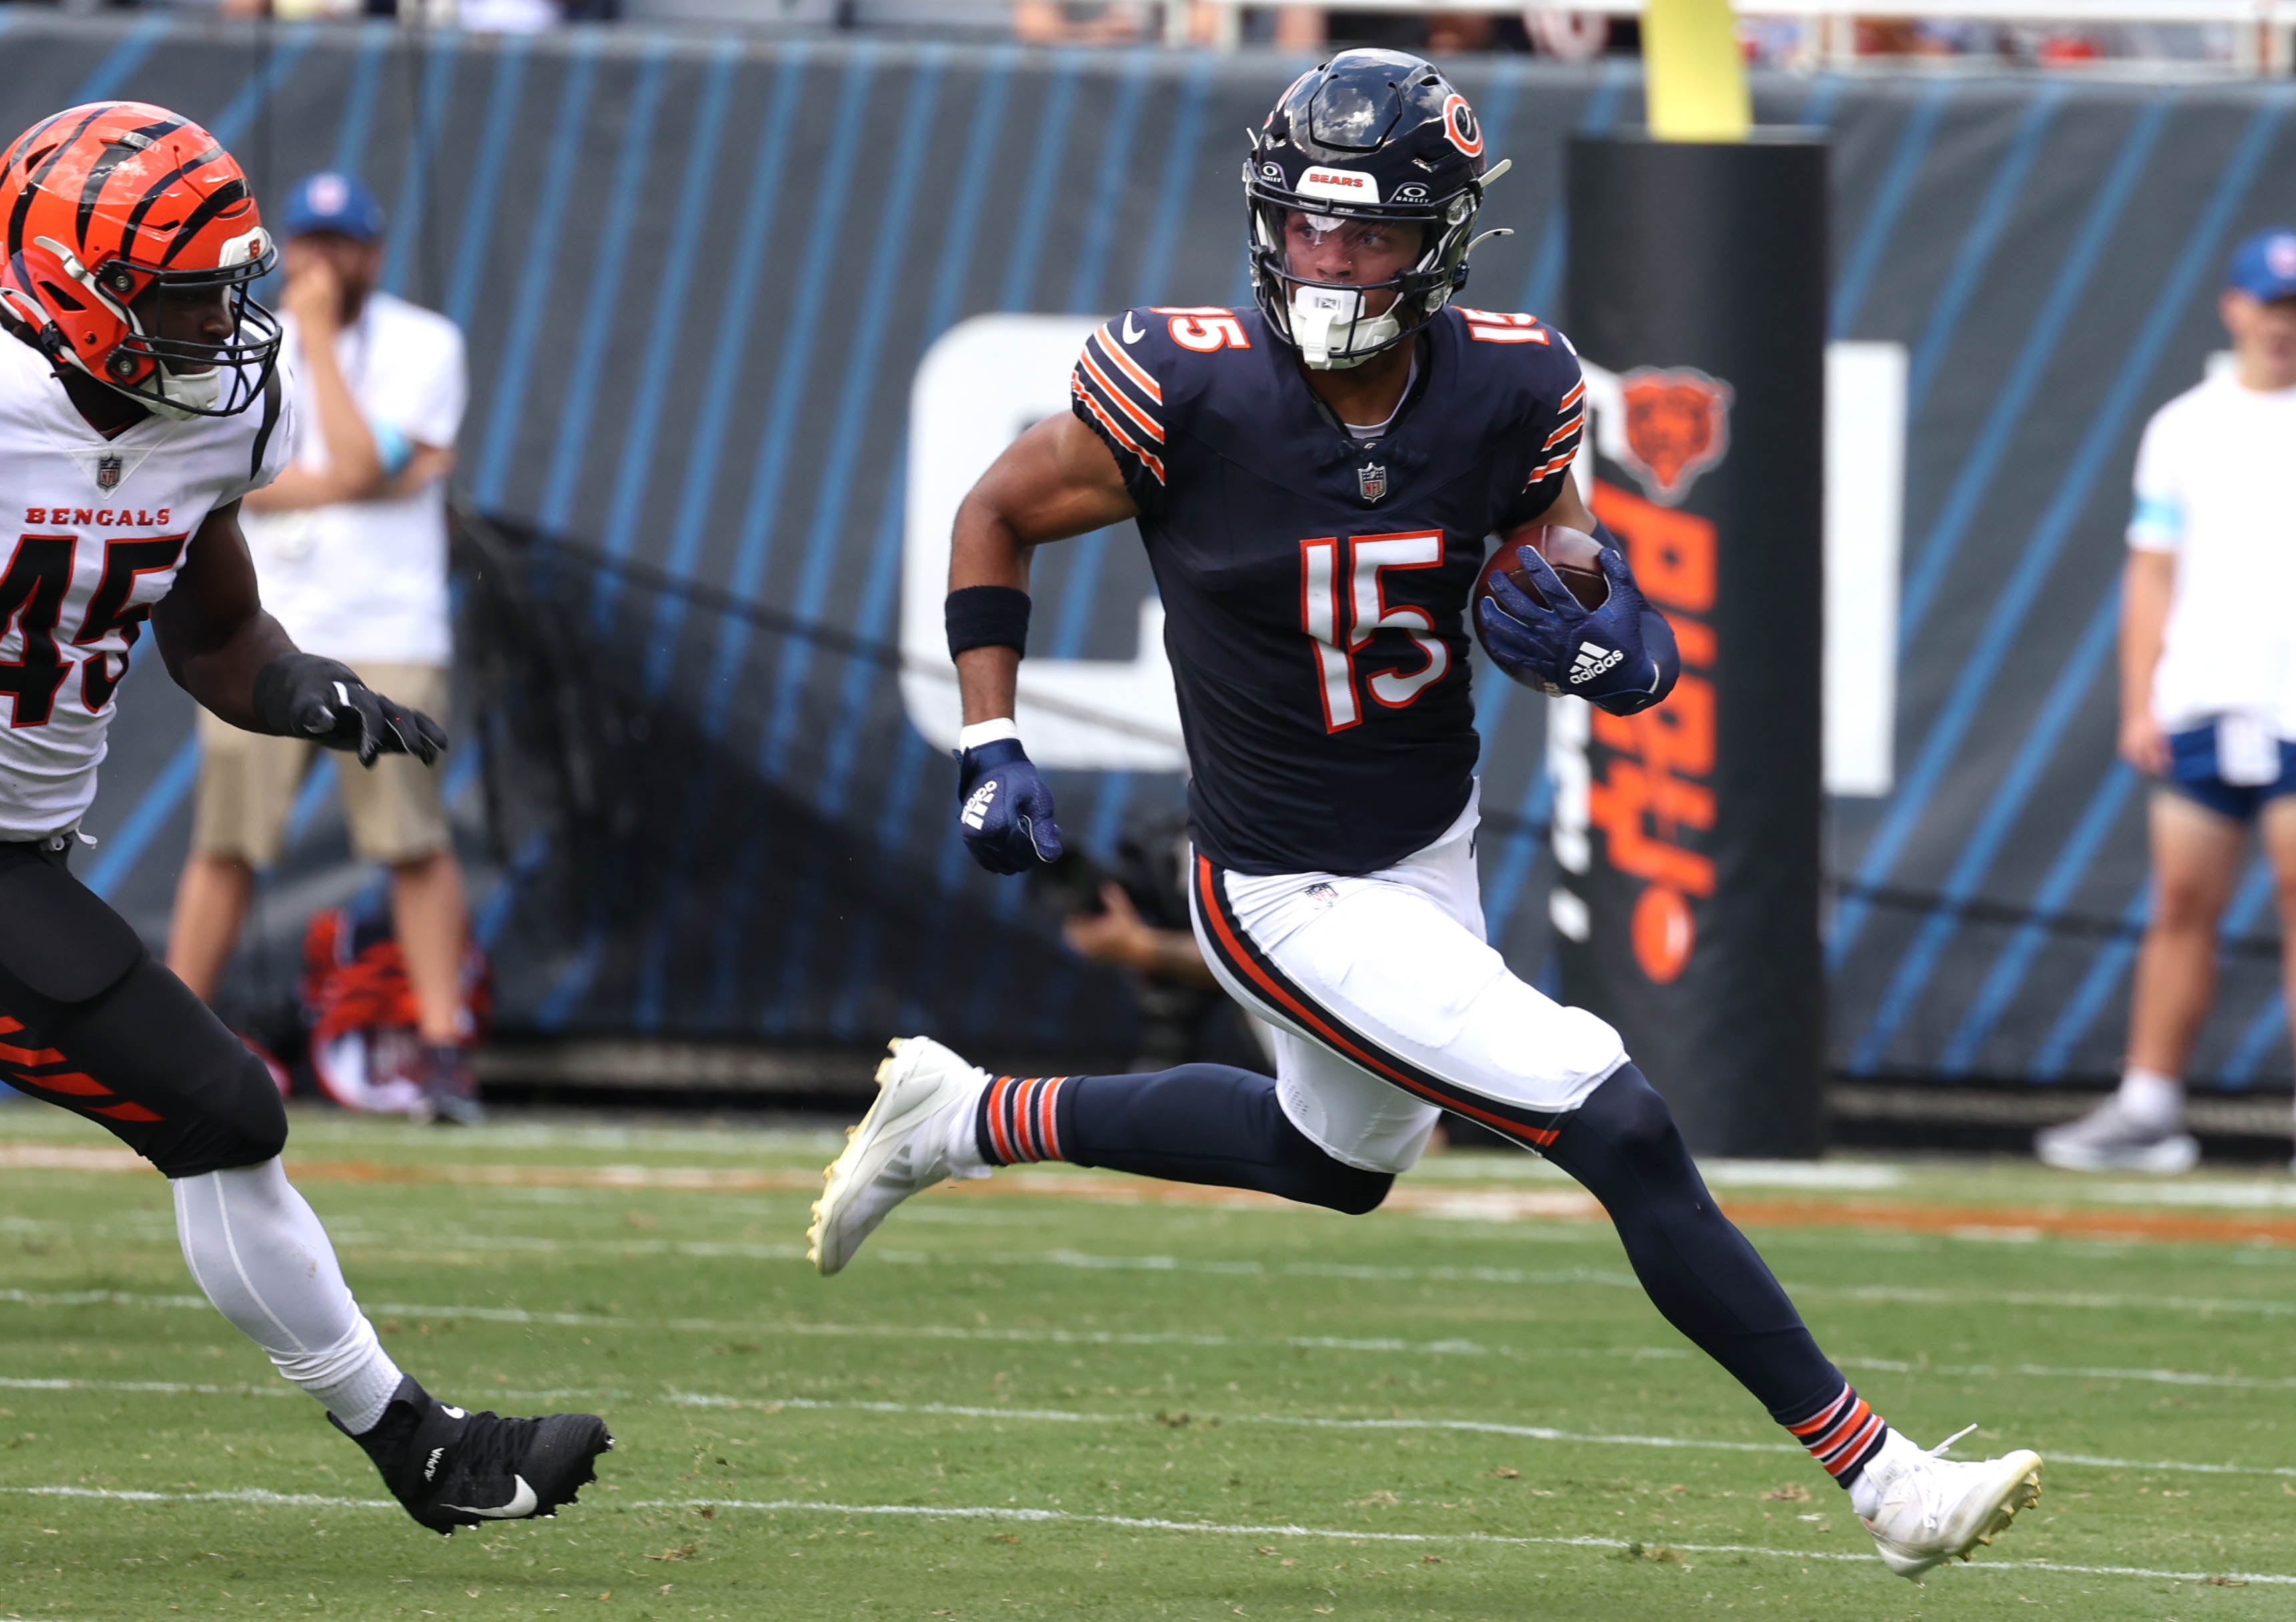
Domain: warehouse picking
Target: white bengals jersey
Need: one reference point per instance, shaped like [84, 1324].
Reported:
[95, 531]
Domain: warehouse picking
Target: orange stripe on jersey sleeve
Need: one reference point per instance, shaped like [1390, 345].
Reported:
[1148, 424]
[1147, 459]
[1130, 368]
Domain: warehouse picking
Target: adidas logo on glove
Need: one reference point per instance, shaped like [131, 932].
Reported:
[975, 810]
[1593, 659]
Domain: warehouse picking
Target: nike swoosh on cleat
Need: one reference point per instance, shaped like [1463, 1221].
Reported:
[521, 1504]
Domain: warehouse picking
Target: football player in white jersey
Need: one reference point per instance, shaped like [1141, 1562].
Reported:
[139, 401]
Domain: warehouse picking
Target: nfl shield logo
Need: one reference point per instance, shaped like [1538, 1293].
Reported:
[107, 468]
[1371, 481]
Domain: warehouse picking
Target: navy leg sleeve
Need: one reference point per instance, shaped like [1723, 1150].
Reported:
[1699, 1270]
[1200, 1123]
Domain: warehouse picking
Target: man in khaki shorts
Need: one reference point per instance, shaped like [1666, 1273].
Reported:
[351, 553]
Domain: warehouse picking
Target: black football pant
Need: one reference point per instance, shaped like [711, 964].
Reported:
[90, 1020]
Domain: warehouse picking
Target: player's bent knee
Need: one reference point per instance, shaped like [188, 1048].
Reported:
[1623, 1123]
[241, 1122]
[1351, 1191]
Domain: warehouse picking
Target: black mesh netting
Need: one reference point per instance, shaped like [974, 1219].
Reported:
[716, 822]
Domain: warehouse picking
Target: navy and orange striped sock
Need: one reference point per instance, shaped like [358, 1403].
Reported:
[1025, 1118]
[1842, 1434]
[1195, 1123]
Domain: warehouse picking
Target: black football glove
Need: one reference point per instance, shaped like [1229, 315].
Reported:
[300, 695]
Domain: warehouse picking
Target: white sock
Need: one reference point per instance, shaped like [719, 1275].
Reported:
[962, 1147]
[1865, 1492]
[258, 1251]
[2152, 1097]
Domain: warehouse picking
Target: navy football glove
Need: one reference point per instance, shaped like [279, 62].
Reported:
[1005, 811]
[1620, 657]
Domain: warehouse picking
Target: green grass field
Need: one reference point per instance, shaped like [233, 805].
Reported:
[1039, 1397]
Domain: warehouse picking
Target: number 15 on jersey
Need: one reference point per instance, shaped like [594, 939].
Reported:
[1343, 605]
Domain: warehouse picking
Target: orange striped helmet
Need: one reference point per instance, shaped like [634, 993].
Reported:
[112, 207]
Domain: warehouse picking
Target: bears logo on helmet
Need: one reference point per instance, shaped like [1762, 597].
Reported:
[107, 207]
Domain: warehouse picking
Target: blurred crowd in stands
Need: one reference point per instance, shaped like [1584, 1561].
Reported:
[1555, 33]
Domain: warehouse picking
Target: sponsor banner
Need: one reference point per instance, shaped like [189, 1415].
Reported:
[1692, 863]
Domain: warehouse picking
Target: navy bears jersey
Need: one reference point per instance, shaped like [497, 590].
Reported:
[1315, 585]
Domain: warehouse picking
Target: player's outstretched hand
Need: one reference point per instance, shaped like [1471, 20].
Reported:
[1620, 657]
[300, 695]
[1005, 810]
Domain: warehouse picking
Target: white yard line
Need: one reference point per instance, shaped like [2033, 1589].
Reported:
[1146, 1523]
[1057, 1337]
[1536, 1433]
[1154, 1524]
[1304, 1422]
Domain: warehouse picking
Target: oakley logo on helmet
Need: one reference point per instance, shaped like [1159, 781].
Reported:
[1460, 125]
[1272, 171]
[1413, 193]
[1344, 184]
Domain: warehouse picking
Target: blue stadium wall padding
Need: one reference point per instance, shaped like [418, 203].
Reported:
[698, 275]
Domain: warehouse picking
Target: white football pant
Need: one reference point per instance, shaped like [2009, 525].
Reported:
[1389, 1006]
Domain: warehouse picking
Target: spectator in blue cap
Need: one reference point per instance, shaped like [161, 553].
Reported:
[350, 554]
[2208, 695]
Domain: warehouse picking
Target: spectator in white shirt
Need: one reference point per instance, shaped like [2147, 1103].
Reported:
[2208, 695]
[350, 554]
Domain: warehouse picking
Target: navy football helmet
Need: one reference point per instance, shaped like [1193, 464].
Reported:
[1369, 135]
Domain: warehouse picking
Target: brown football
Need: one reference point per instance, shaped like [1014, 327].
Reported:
[1573, 554]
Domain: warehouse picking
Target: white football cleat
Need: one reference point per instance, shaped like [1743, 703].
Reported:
[925, 1096]
[1932, 1509]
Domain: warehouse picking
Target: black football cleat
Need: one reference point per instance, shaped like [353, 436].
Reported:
[456, 1468]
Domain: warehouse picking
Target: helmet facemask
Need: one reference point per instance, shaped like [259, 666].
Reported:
[1332, 324]
[103, 333]
[197, 377]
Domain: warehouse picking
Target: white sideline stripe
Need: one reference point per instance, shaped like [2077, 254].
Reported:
[1145, 1523]
[1154, 1524]
[1895, 1295]
[1305, 1422]
[1886, 1365]
[752, 1326]
[244, 1494]
[1536, 1433]
[1057, 1337]
[166, 1388]
[1984, 1371]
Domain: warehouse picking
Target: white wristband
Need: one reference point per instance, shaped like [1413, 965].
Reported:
[987, 731]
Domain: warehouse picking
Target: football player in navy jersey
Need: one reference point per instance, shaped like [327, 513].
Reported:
[1314, 480]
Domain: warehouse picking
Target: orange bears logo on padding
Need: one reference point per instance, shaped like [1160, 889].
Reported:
[1678, 427]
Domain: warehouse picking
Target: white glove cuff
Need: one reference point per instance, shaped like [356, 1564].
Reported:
[987, 731]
